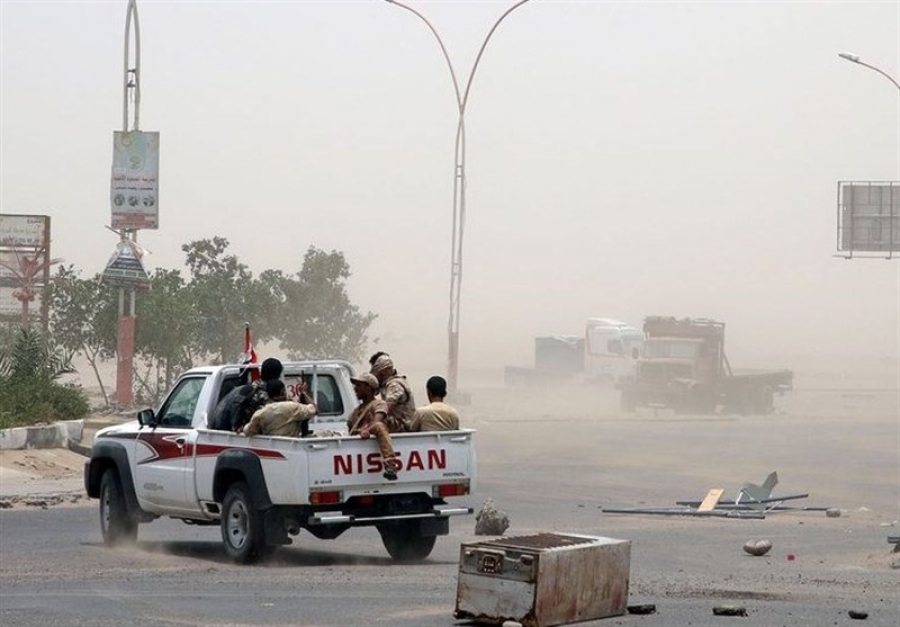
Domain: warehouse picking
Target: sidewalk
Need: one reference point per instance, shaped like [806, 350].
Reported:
[44, 477]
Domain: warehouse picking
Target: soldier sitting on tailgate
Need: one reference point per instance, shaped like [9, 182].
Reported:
[368, 420]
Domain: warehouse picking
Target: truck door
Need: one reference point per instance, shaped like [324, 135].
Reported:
[164, 453]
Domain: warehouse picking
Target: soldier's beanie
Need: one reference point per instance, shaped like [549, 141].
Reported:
[271, 369]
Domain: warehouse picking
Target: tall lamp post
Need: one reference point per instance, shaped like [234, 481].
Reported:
[855, 59]
[131, 87]
[459, 189]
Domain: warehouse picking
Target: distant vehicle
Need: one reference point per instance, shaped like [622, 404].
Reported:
[605, 355]
[611, 350]
[683, 366]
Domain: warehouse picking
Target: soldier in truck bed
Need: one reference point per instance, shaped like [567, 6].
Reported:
[281, 416]
[396, 393]
[368, 420]
[238, 406]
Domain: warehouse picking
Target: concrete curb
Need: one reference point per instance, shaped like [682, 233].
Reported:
[57, 435]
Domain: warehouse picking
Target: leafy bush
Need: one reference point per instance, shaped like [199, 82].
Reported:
[29, 390]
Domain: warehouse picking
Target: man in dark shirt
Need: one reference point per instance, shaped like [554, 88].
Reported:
[238, 406]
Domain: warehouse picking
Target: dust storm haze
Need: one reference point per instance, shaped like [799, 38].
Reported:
[623, 160]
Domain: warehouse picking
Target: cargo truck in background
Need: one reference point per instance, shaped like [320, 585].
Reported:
[683, 366]
[605, 355]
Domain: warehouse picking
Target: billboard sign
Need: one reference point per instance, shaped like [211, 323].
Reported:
[134, 189]
[869, 217]
[21, 231]
[11, 265]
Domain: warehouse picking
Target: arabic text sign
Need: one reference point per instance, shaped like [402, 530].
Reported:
[134, 189]
[125, 268]
[18, 231]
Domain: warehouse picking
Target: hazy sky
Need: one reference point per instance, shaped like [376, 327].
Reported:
[624, 158]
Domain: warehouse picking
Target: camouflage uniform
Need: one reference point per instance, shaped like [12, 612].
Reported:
[396, 393]
[364, 417]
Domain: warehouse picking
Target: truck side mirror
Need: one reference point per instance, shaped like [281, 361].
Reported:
[146, 418]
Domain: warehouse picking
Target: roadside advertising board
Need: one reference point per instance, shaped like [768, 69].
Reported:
[22, 231]
[869, 216]
[134, 188]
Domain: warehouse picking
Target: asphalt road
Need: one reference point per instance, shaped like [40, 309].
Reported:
[551, 461]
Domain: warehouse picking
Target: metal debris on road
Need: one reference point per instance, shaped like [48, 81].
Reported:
[753, 501]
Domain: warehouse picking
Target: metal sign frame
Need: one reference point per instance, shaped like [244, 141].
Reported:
[868, 219]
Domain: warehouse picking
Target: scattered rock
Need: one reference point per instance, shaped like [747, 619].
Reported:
[757, 547]
[856, 614]
[642, 608]
[730, 610]
[490, 521]
[833, 512]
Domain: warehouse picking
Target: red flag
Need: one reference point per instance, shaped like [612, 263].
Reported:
[250, 354]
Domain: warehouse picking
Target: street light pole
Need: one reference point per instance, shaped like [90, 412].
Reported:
[855, 59]
[459, 190]
[132, 86]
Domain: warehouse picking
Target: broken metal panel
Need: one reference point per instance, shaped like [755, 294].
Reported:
[543, 580]
[685, 511]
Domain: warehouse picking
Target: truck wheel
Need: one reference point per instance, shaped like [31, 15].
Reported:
[116, 526]
[404, 541]
[242, 525]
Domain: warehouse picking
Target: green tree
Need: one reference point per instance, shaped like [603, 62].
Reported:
[225, 296]
[84, 318]
[165, 331]
[316, 318]
[29, 391]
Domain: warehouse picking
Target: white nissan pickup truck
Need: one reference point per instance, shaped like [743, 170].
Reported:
[263, 489]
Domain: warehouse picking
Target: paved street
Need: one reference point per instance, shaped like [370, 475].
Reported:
[551, 462]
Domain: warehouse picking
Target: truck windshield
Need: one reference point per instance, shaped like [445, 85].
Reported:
[612, 341]
[677, 349]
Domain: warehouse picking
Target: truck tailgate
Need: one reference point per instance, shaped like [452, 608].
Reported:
[354, 465]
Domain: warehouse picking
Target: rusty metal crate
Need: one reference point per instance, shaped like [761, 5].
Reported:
[543, 580]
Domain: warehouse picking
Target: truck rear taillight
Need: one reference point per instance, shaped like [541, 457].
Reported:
[450, 489]
[323, 497]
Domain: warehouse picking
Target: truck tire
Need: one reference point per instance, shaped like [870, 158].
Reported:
[116, 526]
[404, 541]
[242, 525]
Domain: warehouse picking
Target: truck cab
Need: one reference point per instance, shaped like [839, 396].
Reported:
[683, 366]
[611, 350]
